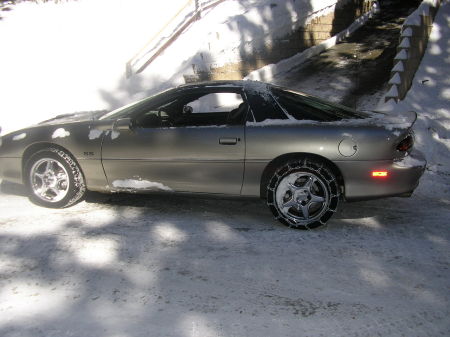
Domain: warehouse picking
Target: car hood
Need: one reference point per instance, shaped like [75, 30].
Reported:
[74, 117]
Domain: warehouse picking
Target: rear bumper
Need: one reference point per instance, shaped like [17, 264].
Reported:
[402, 179]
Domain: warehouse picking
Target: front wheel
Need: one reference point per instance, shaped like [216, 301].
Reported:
[54, 179]
[303, 194]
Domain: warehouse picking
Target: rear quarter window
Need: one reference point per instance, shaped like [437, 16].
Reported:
[264, 107]
[305, 107]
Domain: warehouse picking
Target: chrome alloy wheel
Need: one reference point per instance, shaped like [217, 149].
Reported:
[49, 180]
[302, 197]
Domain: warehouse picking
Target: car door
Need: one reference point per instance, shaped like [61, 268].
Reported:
[192, 141]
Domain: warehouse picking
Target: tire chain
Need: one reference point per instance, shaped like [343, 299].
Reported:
[310, 165]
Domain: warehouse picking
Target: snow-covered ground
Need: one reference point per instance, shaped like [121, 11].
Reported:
[172, 265]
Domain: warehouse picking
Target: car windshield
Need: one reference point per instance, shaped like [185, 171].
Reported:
[134, 106]
[305, 107]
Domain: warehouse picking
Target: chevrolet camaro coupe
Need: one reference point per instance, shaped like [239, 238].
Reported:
[300, 153]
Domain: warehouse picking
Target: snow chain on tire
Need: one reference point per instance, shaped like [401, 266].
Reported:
[308, 166]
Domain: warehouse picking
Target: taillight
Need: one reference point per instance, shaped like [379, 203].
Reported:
[406, 143]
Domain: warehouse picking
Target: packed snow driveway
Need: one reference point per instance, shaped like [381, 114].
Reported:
[168, 265]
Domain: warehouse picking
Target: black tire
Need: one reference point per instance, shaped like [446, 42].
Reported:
[295, 191]
[67, 179]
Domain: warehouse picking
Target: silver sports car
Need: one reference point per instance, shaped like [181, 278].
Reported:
[300, 153]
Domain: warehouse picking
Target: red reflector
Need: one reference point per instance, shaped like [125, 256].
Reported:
[379, 173]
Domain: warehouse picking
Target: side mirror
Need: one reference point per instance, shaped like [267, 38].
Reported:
[187, 109]
[123, 124]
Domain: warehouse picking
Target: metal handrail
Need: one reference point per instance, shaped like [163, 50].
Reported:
[151, 50]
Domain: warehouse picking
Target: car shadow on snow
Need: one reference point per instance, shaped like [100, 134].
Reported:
[374, 214]
[10, 188]
[245, 213]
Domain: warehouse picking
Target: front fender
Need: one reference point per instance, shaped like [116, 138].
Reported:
[81, 140]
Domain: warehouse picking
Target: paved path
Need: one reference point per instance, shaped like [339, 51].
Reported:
[356, 68]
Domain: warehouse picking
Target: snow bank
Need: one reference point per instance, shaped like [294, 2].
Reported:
[429, 96]
[410, 161]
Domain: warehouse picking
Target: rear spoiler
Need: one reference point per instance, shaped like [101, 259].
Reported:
[399, 121]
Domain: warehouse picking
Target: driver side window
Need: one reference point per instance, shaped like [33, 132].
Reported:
[213, 109]
[196, 109]
[153, 119]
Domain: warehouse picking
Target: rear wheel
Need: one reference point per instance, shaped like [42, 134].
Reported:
[303, 194]
[54, 179]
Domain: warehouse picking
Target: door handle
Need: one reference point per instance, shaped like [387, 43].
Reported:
[228, 141]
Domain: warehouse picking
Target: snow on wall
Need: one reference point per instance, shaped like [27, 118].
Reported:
[250, 25]
[230, 30]
[270, 71]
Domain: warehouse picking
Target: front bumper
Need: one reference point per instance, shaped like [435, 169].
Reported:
[402, 179]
